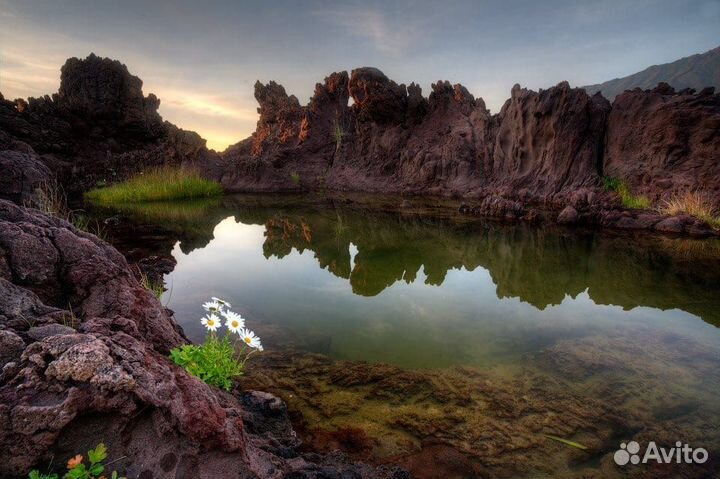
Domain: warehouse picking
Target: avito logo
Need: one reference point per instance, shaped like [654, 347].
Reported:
[680, 454]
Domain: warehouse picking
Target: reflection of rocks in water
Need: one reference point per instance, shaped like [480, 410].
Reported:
[466, 422]
[538, 265]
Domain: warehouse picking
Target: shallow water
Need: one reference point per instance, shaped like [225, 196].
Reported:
[607, 323]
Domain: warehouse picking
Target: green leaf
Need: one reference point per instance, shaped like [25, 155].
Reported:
[97, 469]
[98, 454]
[566, 441]
[78, 472]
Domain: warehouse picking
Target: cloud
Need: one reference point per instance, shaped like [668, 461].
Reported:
[387, 33]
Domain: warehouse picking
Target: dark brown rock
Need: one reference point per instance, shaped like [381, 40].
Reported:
[11, 347]
[20, 175]
[661, 142]
[568, 216]
[98, 128]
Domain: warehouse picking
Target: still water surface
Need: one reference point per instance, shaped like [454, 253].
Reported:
[423, 290]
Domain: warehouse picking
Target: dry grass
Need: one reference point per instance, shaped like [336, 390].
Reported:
[50, 198]
[694, 203]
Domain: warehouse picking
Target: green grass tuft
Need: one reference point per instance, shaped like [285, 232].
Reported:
[157, 185]
[628, 199]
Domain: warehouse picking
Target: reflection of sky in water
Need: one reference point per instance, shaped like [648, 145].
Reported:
[292, 301]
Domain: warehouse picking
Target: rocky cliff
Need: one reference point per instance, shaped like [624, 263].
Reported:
[98, 128]
[548, 148]
[545, 151]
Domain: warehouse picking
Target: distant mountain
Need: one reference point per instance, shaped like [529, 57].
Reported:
[696, 71]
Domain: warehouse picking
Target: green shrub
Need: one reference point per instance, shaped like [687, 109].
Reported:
[213, 362]
[621, 188]
[156, 185]
[219, 361]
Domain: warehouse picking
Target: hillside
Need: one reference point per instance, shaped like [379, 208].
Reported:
[696, 71]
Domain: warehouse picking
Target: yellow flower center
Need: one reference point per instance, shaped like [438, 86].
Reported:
[234, 324]
[247, 339]
[211, 322]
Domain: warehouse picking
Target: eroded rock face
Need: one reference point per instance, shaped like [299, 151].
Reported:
[22, 174]
[102, 89]
[549, 142]
[83, 350]
[546, 150]
[663, 142]
[392, 139]
[98, 128]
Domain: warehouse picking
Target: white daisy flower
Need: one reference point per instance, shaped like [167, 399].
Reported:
[222, 302]
[250, 339]
[213, 306]
[233, 321]
[211, 322]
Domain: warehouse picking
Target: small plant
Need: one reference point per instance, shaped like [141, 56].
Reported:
[78, 469]
[157, 288]
[35, 474]
[295, 177]
[693, 203]
[338, 133]
[621, 188]
[219, 360]
[165, 183]
[50, 198]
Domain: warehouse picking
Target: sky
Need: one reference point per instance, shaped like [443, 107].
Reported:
[202, 58]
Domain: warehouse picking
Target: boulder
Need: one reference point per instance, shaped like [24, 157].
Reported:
[20, 175]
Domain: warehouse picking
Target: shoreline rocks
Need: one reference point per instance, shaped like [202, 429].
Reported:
[84, 356]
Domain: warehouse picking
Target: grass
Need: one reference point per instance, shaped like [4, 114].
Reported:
[694, 203]
[295, 177]
[50, 198]
[628, 199]
[338, 133]
[157, 288]
[164, 183]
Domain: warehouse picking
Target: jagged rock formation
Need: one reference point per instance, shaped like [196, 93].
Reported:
[544, 150]
[392, 139]
[98, 128]
[662, 141]
[83, 350]
[696, 71]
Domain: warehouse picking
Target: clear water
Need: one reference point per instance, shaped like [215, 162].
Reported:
[423, 289]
